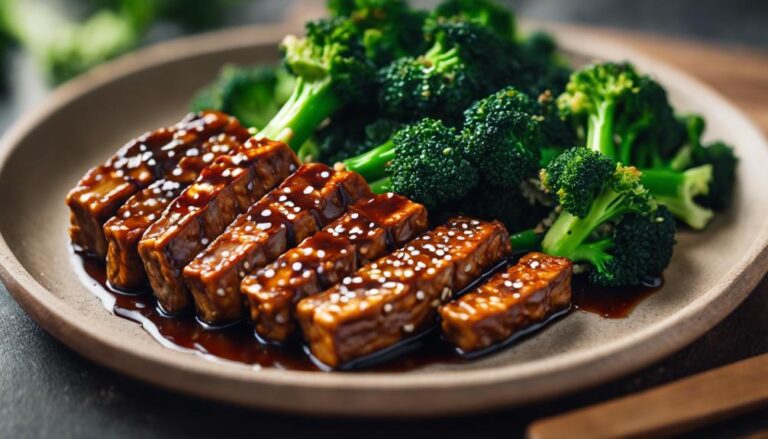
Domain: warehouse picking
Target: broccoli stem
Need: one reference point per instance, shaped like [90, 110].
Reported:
[600, 130]
[678, 190]
[373, 163]
[525, 241]
[569, 231]
[309, 105]
[627, 145]
[596, 253]
[381, 186]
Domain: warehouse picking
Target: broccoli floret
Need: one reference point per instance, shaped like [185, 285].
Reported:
[465, 63]
[627, 116]
[596, 96]
[624, 236]
[390, 28]
[680, 191]
[504, 137]
[576, 178]
[639, 247]
[487, 13]
[331, 69]
[423, 161]
[251, 94]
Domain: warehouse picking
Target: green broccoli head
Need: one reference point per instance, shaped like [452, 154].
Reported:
[637, 247]
[390, 28]
[623, 234]
[251, 94]
[504, 137]
[577, 177]
[486, 13]
[428, 165]
[465, 63]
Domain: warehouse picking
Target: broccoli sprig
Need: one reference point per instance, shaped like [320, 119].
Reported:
[252, 94]
[609, 220]
[423, 161]
[504, 138]
[629, 119]
[465, 63]
[599, 95]
[390, 28]
[331, 69]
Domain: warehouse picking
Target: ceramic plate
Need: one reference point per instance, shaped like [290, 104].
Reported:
[85, 121]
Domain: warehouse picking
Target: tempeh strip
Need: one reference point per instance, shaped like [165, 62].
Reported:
[371, 228]
[153, 156]
[528, 292]
[125, 270]
[227, 187]
[305, 202]
[397, 296]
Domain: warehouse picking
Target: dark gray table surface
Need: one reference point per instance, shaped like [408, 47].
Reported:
[46, 390]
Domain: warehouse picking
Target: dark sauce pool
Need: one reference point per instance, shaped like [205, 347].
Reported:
[238, 342]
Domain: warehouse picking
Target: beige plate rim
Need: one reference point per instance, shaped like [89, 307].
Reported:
[541, 378]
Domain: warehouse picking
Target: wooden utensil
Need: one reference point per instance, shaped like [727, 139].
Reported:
[673, 408]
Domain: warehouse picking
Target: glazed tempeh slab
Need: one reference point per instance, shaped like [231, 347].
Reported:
[536, 287]
[371, 228]
[305, 202]
[226, 188]
[396, 296]
[125, 270]
[105, 188]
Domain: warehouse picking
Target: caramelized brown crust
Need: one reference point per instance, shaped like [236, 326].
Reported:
[370, 229]
[308, 200]
[125, 270]
[528, 292]
[390, 299]
[155, 155]
[224, 189]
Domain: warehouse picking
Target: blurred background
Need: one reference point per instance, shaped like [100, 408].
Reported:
[46, 42]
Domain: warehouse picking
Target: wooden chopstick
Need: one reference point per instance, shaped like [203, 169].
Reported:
[673, 408]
